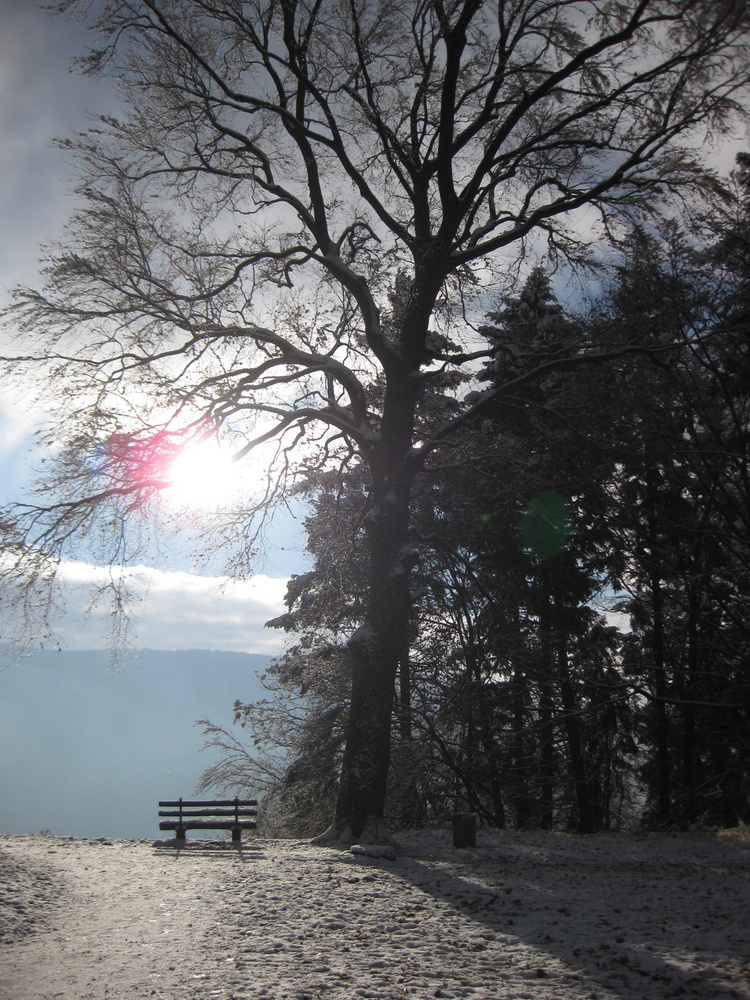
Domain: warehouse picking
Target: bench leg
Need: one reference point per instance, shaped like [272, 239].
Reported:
[179, 833]
[236, 833]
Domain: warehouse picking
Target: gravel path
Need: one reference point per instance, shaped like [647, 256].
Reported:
[537, 916]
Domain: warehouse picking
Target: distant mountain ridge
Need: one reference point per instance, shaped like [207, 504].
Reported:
[98, 656]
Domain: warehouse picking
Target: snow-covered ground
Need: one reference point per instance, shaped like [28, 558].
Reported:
[522, 915]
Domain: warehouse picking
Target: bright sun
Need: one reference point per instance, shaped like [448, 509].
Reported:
[202, 476]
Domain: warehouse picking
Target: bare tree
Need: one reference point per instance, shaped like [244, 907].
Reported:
[280, 167]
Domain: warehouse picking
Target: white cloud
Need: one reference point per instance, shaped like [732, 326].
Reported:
[174, 609]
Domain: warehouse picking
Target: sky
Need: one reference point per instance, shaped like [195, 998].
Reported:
[182, 609]
[42, 98]
[39, 98]
[85, 749]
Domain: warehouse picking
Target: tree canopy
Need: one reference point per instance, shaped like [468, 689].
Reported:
[286, 234]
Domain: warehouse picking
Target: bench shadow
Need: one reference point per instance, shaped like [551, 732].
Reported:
[242, 850]
[600, 940]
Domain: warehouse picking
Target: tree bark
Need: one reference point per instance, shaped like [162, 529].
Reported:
[570, 717]
[662, 734]
[573, 739]
[404, 700]
[377, 647]
[489, 745]
[520, 750]
[546, 721]
[688, 696]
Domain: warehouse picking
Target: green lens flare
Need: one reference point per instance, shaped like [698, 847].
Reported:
[545, 527]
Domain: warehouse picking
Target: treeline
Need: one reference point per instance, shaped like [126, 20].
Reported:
[580, 643]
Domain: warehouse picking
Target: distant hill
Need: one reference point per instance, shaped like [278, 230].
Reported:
[89, 751]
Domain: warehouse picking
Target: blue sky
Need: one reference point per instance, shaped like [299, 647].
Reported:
[42, 98]
[85, 750]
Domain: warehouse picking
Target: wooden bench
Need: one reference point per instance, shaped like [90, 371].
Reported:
[224, 814]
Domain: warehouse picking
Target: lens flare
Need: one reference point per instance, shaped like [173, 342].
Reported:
[546, 524]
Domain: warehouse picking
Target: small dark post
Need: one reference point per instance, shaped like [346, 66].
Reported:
[465, 830]
[236, 829]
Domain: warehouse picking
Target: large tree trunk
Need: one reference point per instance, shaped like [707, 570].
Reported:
[376, 651]
[360, 804]
[377, 647]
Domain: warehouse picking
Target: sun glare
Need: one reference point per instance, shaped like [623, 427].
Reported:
[202, 476]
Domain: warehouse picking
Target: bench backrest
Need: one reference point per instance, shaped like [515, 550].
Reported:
[230, 808]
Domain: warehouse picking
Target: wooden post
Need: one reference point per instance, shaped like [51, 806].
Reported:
[236, 829]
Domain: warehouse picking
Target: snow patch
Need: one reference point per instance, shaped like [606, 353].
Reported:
[375, 834]
[374, 851]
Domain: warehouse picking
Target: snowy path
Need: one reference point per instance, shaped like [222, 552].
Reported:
[538, 916]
